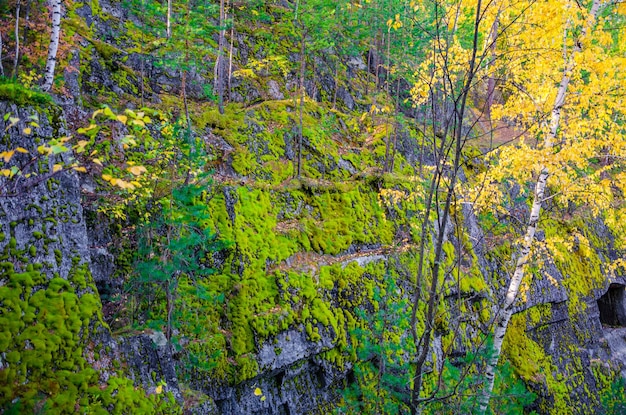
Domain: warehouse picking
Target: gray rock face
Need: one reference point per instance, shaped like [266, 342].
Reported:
[43, 212]
[290, 347]
[43, 222]
[274, 90]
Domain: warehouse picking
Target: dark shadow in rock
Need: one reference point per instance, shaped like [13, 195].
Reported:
[612, 307]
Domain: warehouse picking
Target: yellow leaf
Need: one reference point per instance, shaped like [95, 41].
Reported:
[258, 392]
[80, 169]
[5, 172]
[80, 147]
[6, 155]
[124, 184]
[137, 170]
[122, 119]
[27, 131]
[107, 177]
[57, 167]
[97, 161]
[159, 389]
[21, 150]
[262, 398]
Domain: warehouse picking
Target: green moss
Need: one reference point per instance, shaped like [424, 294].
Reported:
[23, 96]
[532, 364]
[58, 256]
[244, 162]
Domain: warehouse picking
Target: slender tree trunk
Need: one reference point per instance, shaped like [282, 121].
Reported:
[387, 145]
[184, 85]
[230, 55]
[388, 74]
[395, 129]
[26, 21]
[336, 83]
[503, 318]
[369, 66]
[1, 66]
[168, 23]
[16, 59]
[54, 45]
[143, 56]
[424, 342]
[378, 42]
[491, 82]
[220, 60]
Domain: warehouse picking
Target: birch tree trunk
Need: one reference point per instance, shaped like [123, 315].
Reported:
[17, 39]
[504, 316]
[54, 45]
[1, 67]
[168, 22]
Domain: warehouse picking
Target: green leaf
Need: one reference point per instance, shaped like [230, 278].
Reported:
[58, 148]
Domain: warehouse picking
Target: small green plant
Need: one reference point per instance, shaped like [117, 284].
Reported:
[173, 271]
[382, 371]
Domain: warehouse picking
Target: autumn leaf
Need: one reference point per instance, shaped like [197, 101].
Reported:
[123, 184]
[57, 167]
[137, 170]
[258, 392]
[27, 131]
[6, 155]
[80, 146]
[159, 389]
[21, 150]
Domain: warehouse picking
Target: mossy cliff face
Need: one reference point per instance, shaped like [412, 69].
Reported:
[557, 341]
[56, 355]
[308, 259]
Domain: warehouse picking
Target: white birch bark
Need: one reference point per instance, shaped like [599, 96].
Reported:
[504, 316]
[1, 67]
[54, 45]
[17, 39]
[168, 20]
